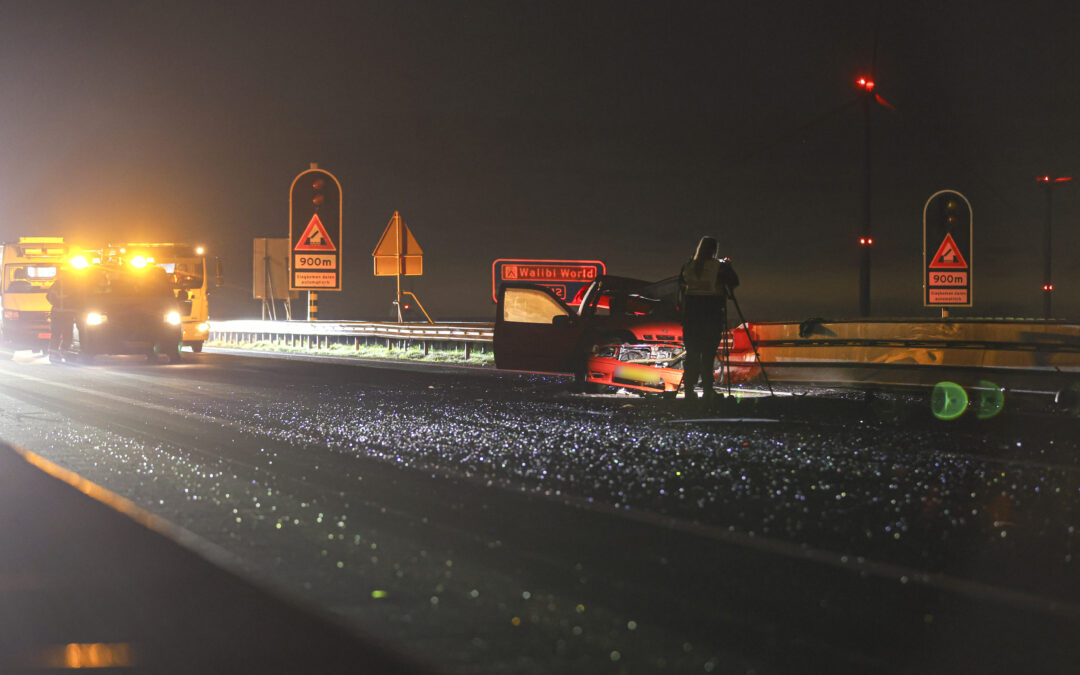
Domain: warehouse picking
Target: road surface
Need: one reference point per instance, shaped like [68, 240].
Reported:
[491, 522]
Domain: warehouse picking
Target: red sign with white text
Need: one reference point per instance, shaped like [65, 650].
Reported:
[564, 277]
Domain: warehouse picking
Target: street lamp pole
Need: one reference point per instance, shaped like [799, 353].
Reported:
[1048, 282]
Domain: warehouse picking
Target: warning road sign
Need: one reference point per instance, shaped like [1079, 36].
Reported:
[315, 232]
[315, 237]
[947, 231]
[398, 253]
[948, 256]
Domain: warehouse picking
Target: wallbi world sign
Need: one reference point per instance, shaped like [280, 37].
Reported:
[947, 253]
[565, 278]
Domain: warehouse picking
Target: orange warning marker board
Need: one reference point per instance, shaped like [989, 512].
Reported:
[398, 253]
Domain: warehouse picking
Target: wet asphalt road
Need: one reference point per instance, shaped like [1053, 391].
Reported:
[491, 522]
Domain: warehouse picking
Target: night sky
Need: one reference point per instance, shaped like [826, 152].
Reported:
[621, 131]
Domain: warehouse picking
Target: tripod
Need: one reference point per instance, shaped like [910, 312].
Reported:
[735, 301]
[725, 365]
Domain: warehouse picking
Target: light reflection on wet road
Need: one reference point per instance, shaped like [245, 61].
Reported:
[479, 519]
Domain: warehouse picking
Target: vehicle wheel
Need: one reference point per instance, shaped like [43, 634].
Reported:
[196, 347]
[174, 354]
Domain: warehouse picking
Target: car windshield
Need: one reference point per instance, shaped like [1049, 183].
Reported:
[185, 274]
[621, 296]
[28, 278]
[149, 283]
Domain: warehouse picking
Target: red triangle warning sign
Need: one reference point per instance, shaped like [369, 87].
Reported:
[948, 256]
[315, 237]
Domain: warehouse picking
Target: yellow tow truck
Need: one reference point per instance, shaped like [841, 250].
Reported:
[185, 266]
[28, 267]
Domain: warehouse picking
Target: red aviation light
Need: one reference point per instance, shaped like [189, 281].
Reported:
[866, 241]
[1048, 287]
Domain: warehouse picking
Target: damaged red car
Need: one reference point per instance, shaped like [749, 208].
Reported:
[624, 333]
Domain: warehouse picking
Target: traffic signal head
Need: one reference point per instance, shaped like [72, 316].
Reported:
[948, 212]
[315, 192]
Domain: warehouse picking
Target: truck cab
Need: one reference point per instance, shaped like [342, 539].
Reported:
[186, 269]
[28, 267]
[126, 310]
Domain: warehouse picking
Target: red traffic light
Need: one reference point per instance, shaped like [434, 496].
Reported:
[865, 83]
[1048, 287]
[866, 241]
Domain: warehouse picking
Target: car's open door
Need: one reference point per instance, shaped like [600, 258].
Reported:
[534, 330]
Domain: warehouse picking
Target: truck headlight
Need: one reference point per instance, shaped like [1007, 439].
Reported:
[204, 327]
[94, 319]
[173, 318]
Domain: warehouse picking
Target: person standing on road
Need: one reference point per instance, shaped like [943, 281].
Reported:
[64, 297]
[704, 285]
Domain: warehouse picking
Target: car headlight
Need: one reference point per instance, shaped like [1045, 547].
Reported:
[95, 319]
[173, 318]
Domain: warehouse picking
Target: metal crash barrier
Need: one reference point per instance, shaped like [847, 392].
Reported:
[467, 337]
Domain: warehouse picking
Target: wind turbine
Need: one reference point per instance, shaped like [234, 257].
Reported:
[866, 84]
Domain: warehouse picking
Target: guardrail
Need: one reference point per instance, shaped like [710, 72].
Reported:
[322, 334]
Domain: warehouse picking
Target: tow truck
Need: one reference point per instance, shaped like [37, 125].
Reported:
[123, 309]
[29, 266]
[185, 267]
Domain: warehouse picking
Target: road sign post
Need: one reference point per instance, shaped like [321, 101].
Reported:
[398, 253]
[947, 251]
[315, 232]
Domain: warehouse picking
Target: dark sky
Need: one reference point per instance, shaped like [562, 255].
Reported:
[614, 130]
